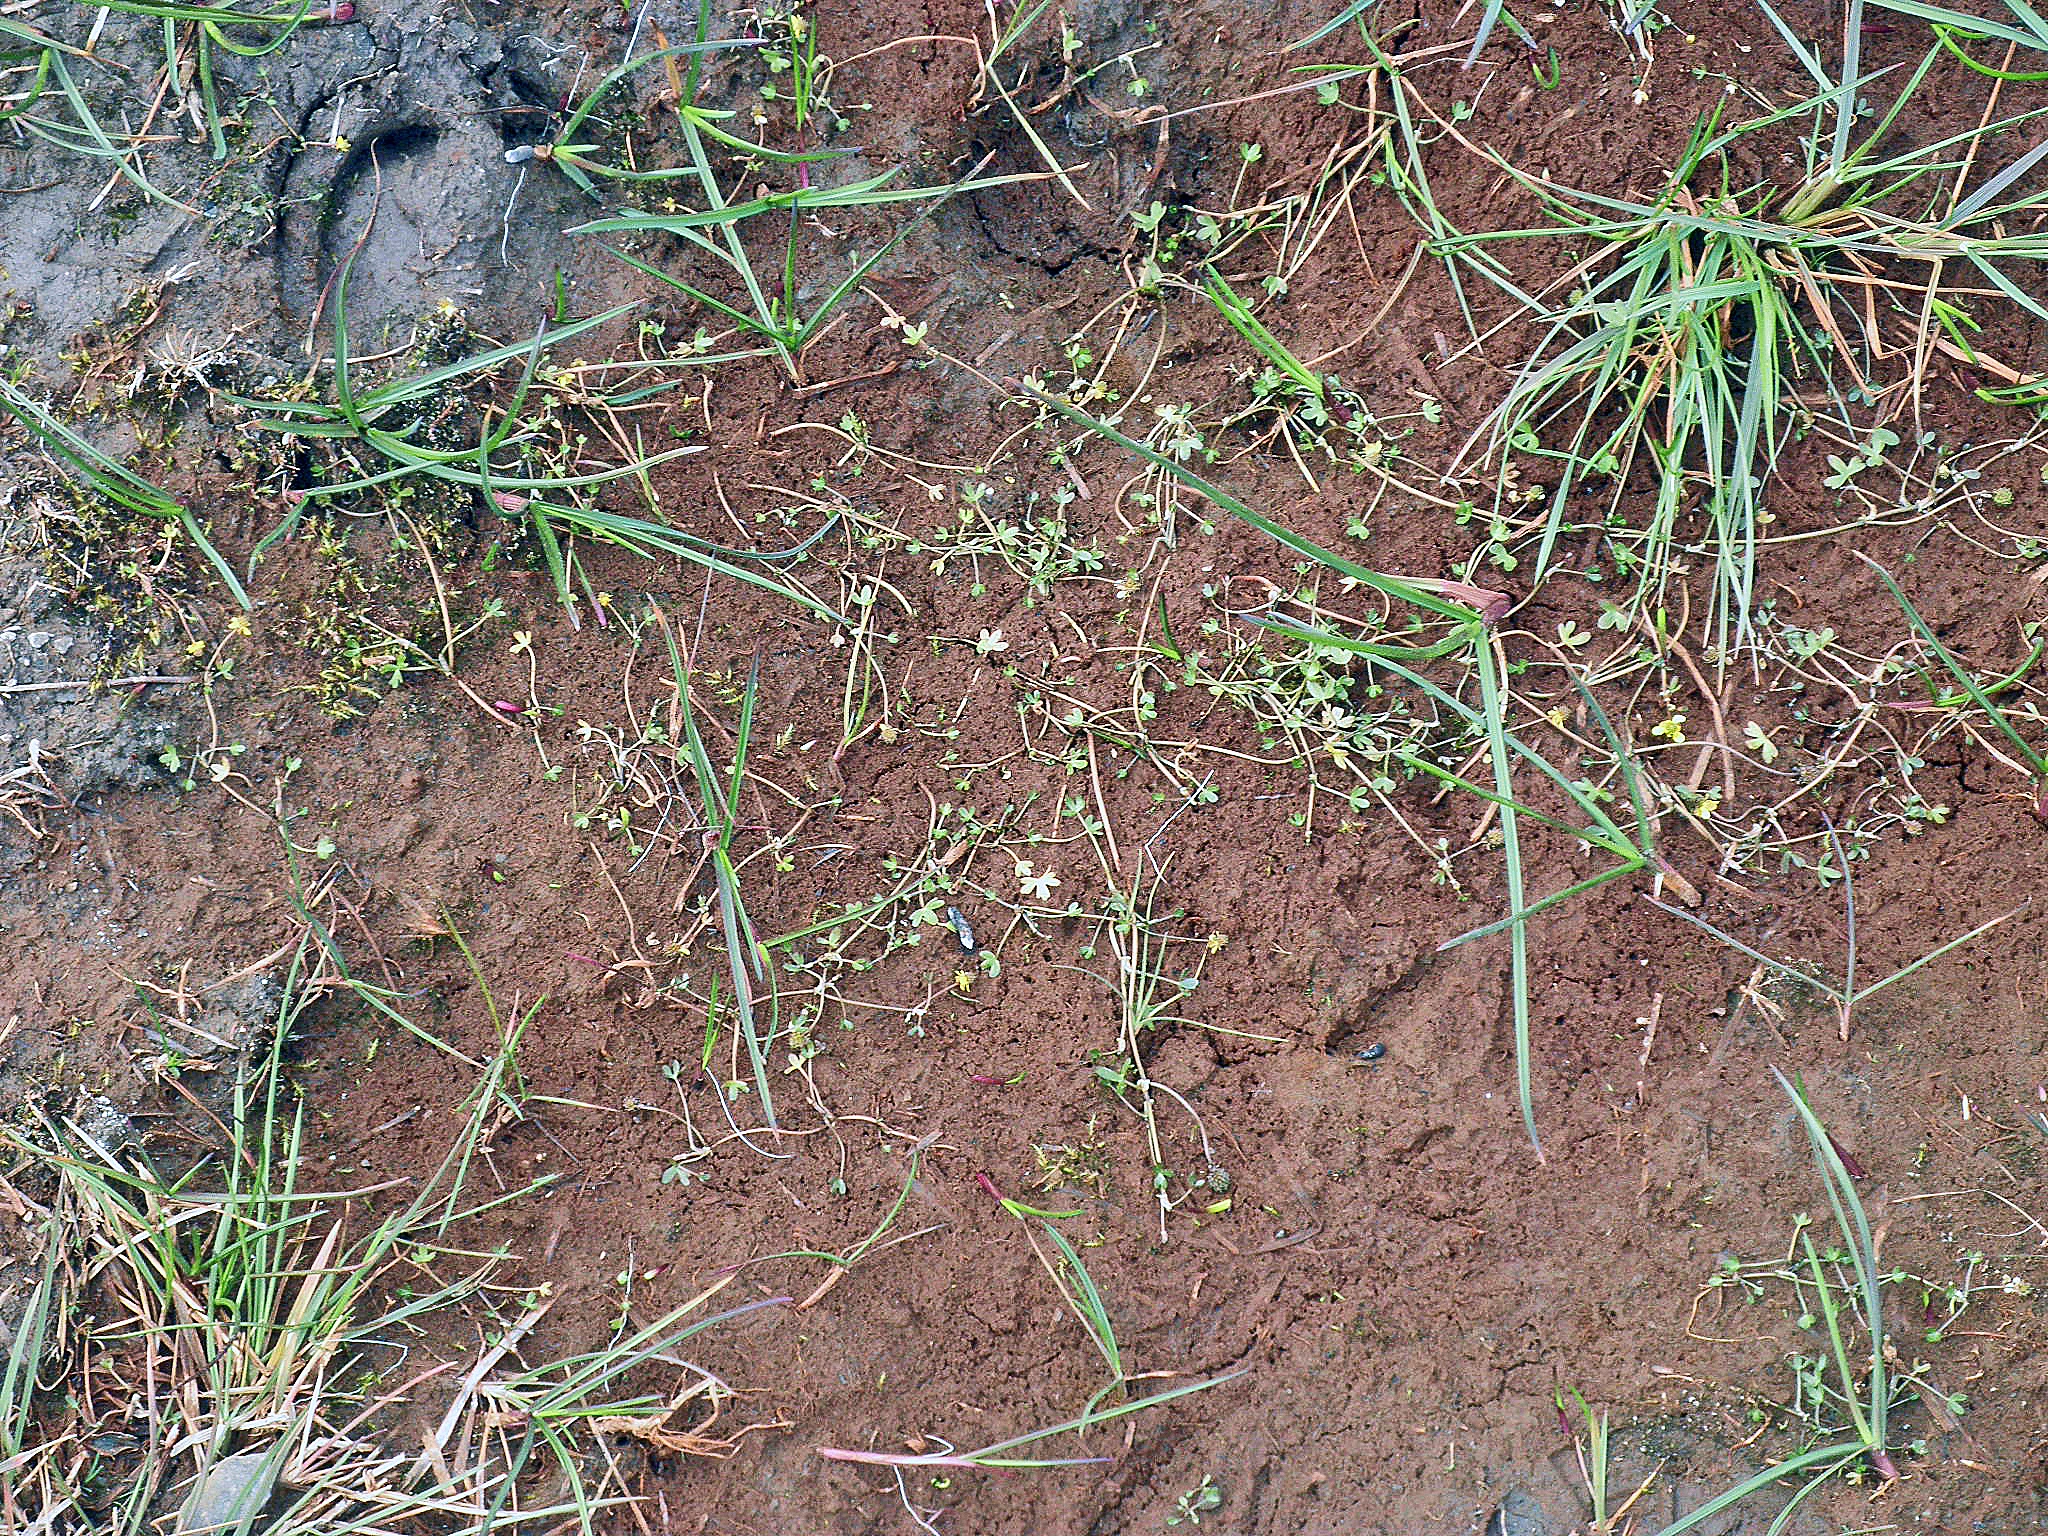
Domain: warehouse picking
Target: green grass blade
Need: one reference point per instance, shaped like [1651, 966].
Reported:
[1854, 1222]
[1961, 673]
[1935, 954]
[1393, 586]
[1350, 13]
[1834, 1457]
[1779, 967]
[1511, 848]
[2031, 30]
[1248, 325]
[1094, 1311]
[115, 481]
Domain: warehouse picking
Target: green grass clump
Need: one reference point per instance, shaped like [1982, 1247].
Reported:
[510, 465]
[265, 1337]
[769, 309]
[1695, 328]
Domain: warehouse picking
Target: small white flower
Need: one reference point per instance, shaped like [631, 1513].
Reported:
[1037, 887]
[990, 642]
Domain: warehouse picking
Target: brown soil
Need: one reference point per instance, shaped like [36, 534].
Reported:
[1404, 1286]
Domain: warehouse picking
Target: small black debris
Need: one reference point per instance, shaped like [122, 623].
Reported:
[962, 930]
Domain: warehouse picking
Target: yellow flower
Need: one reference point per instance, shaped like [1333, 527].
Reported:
[964, 980]
[1672, 730]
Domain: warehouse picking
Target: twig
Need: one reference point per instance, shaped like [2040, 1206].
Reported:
[112, 682]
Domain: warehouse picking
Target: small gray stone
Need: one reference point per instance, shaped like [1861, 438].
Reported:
[231, 1494]
[105, 1124]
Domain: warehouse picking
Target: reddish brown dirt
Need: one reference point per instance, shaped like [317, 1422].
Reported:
[1403, 1285]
